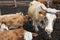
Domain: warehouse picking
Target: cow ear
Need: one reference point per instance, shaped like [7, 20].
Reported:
[26, 16]
[20, 13]
[31, 3]
[17, 13]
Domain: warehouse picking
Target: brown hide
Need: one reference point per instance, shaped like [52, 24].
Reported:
[14, 20]
[11, 34]
[17, 34]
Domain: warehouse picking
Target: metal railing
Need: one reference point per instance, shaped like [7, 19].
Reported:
[14, 2]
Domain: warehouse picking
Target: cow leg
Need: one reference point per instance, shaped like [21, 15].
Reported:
[33, 22]
[35, 26]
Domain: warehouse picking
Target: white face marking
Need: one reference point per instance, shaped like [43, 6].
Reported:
[49, 27]
[28, 36]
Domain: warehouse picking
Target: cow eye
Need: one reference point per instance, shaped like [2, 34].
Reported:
[39, 12]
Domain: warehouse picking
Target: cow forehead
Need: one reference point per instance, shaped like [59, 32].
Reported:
[35, 3]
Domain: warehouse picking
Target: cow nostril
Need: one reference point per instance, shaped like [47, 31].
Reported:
[48, 31]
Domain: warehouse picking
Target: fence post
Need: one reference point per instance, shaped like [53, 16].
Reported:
[0, 11]
[15, 3]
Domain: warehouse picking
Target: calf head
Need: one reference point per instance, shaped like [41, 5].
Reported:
[25, 18]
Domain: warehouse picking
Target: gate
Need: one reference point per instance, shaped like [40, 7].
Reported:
[13, 6]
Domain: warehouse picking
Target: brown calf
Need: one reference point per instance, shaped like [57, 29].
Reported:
[13, 20]
[17, 34]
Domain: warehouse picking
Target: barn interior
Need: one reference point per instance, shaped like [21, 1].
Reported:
[15, 6]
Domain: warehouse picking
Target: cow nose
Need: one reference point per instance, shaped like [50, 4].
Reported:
[49, 31]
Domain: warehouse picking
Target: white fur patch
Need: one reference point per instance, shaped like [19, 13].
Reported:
[49, 27]
[3, 26]
[52, 10]
[28, 36]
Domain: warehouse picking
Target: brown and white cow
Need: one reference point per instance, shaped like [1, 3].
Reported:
[12, 21]
[34, 12]
[17, 34]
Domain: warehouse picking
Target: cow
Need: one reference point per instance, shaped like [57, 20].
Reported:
[17, 34]
[34, 11]
[12, 21]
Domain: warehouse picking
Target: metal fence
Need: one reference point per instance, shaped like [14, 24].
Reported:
[13, 6]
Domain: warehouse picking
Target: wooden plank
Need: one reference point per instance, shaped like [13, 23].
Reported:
[2, 3]
[24, 3]
[6, 2]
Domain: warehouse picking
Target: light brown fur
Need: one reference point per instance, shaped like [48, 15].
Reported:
[17, 34]
[13, 20]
